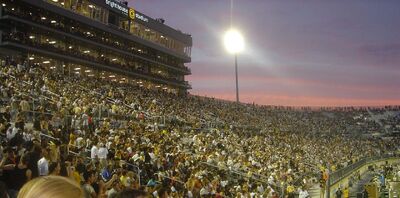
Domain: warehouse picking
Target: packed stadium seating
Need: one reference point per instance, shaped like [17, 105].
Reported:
[186, 146]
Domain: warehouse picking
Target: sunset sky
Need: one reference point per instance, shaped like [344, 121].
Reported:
[298, 53]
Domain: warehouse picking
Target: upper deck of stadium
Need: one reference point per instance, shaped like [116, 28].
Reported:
[102, 34]
[116, 15]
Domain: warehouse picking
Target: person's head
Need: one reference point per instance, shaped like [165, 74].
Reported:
[131, 193]
[36, 147]
[45, 152]
[50, 186]
[163, 193]
[25, 159]
[29, 145]
[89, 176]
[54, 168]
[117, 185]
[124, 172]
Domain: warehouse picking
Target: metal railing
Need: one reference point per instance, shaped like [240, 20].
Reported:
[346, 171]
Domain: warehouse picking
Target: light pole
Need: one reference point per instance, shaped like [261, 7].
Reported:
[237, 82]
[234, 44]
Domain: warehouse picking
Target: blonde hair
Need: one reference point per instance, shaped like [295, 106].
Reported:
[51, 187]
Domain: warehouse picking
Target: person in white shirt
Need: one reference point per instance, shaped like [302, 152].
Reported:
[260, 189]
[116, 187]
[102, 154]
[28, 136]
[189, 194]
[43, 163]
[398, 175]
[11, 132]
[303, 193]
[153, 158]
[136, 157]
[79, 142]
[94, 153]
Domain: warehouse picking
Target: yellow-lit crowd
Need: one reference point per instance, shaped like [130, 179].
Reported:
[109, 137]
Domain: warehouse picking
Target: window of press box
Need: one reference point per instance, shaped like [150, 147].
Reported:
[83, 7]
[113, 19]
[124, 24]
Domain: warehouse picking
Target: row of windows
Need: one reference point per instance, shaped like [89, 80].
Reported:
[85, 8]
[149, 34]
[98, 13]
[70, 47]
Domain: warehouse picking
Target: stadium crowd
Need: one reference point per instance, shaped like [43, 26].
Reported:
[108, 136]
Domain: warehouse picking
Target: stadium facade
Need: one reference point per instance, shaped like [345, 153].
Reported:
[103, 38]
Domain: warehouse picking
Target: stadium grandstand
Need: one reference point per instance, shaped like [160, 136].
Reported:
[99, 38]
[95, 92]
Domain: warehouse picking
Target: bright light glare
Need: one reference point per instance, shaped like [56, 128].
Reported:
[233, 41]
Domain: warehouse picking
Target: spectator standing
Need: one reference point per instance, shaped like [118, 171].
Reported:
[102, 154]
[88, 190]
[94, 153]
[43, 163]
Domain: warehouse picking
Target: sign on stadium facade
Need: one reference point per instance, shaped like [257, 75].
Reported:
[118, 6]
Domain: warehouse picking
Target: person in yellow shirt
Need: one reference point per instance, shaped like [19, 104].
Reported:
[333, 168]
[54, 152]
[76, 175]
[77, 110]
[114, 109]
[72, 138]
[325, 175]
[118, 155]
[73, 173]
[290, 189]
[124, 178]
[346, 192]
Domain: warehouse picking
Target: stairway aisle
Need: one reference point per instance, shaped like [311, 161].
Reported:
[315, 191]
[359, 186]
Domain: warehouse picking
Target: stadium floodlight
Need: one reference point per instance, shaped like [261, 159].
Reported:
[234, 44]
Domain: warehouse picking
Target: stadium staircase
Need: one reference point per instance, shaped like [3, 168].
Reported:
[359, 186]
[315, 191]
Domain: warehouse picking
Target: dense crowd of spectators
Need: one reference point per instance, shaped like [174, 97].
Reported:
[108, 136]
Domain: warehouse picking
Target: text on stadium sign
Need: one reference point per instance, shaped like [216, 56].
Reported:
[141, 17]
[116, 5]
